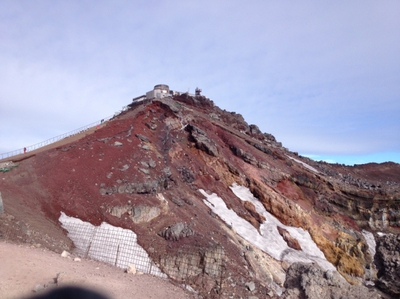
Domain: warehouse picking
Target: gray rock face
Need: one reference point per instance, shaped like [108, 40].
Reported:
[149, 187]
[176, 232]
[192, 262]
[202, 141]
[309, 281]
[247, 157]
[260, 147]
[387, 261]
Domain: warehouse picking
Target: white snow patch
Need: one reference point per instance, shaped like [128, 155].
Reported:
[304, 164]
[269, 241]
[369, 237]
[109, 244]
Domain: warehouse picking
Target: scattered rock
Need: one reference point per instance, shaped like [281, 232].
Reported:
[144, 170]
[131, 269]
[167, 172]
[145, 147]
[125, 167]
[65, 254]
[142, 138]
[251, 286]
[38, 288]
[188, 201]
[145, 164]
[77, 259]
[129, 132]
[177, 201]
[152, 164]
[61, 278]
[151, 126]
[117, 143]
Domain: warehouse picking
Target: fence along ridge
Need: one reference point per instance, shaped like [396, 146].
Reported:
[57, 138]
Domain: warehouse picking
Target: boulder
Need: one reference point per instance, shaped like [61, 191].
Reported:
[176, 232]
[142, 138]
[251, 286]
[65, 254]
[131, 269]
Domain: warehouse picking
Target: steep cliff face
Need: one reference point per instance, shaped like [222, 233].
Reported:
[165, 169]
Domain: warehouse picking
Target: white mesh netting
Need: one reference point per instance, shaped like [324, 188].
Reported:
[109, 244]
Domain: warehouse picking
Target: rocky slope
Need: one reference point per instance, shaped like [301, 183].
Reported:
[152, 169]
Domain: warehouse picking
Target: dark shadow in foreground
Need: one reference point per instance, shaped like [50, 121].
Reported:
[71, 293]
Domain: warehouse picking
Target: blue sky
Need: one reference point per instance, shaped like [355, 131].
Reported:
[322, 77]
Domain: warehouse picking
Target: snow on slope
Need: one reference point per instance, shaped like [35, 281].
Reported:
[369, 237]
[270, 241]
[304, 164]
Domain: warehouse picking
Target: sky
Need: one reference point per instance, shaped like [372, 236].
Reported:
[323, 77]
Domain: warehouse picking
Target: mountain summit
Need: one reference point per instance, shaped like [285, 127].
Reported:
[210, 202]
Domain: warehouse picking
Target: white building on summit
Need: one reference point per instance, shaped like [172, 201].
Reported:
[159, 91]
[162, 91]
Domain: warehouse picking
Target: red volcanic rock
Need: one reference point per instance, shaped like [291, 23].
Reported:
[292, 242]
[252, 210]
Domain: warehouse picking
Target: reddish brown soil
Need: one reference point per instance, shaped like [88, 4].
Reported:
[24, 269]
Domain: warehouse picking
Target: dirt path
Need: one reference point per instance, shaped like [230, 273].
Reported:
[23, 268]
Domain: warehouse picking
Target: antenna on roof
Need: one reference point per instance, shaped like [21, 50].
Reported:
[198, 91]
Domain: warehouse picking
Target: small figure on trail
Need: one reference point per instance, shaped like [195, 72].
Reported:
[24, 150]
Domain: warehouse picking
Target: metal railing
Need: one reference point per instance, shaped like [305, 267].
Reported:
[57, 138]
